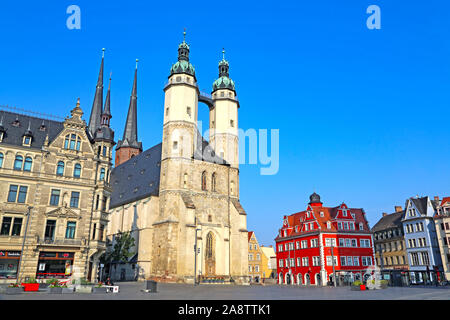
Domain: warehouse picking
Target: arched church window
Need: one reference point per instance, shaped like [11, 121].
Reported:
[204, 180]
[213, 182]
[209, 246]
[185, 180]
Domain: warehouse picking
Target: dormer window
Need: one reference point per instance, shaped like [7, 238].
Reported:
[27, 141]
[344, 212]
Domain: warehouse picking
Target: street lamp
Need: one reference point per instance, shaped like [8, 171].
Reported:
[19, 277]
[196, 252]
[332, 263]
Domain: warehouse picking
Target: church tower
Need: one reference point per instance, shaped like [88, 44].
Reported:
[198, 192]
[129, 146]
[180, 108]
[224, 116]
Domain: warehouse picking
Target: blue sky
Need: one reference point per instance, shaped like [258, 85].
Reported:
[361, 113]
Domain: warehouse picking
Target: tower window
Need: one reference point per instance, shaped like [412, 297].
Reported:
[213, 182]
[204, 180]
[232, 123]
[167, 111]
[175, 145]
[188, 111]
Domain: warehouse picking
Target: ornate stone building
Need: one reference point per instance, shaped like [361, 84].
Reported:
[184, 192]
[54, 178]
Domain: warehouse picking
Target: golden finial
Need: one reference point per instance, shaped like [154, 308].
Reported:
[103, 52]
[137, 60]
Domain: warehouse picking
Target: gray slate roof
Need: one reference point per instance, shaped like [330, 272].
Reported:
[393, 220]
[421, 204]
[137, 178]
[39, 128]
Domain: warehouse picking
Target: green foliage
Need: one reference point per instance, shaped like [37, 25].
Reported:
[121, 251]
[84, 282]
[357, 283]
[31, 280]
[52, 280]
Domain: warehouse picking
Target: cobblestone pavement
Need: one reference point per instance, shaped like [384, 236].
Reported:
[166, 291]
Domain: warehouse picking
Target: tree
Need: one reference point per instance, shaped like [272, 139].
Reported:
[121, 252]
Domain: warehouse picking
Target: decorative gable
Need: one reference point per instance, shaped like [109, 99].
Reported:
[63, 212]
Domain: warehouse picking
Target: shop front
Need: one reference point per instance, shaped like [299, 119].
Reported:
[55, 265]
[9, 262]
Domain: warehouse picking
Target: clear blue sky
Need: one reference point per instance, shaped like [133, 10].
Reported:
[362, 113]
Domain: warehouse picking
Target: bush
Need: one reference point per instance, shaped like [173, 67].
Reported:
[52, 280]
[13, 285]
[31, 280]
[357, 283]
[83, 281]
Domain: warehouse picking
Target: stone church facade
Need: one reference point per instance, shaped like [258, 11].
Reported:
[180, 198]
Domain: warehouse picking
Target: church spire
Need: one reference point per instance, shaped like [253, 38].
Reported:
[106, 115]
[130, 132]
[129, 145]
[97, 106]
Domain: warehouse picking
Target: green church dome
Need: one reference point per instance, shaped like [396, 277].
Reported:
[223, 83]
[182, 66]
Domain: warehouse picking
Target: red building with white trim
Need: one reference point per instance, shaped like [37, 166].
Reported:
[310, 240]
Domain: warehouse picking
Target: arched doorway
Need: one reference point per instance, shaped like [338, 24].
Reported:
[288, 278]
[307, 279]
[280, 278]
[299, 279]
[210, 258]
[318, 279]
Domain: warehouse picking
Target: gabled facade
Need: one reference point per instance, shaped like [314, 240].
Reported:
[390, 249]
[421, 240]
[442, 225]
[317, 243]
[54, 194]
[254, 258]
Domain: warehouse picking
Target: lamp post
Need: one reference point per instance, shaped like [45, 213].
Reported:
[196, 252]
[19, 277]
[332, 263]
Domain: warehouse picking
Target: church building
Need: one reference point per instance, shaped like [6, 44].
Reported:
[180, 198]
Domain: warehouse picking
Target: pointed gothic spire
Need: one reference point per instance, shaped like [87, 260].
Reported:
[130, 138]
[97, 105]
[106, 115]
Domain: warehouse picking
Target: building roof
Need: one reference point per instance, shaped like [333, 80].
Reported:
[268, 251]
[250, 233]
[393, 220]
[421, 204]
[136, 178]
[15, 126]
[445, 200]
[321, 215]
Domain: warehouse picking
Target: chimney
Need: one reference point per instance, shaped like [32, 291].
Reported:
[436, 198]
[384, 214]
[398, 208]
